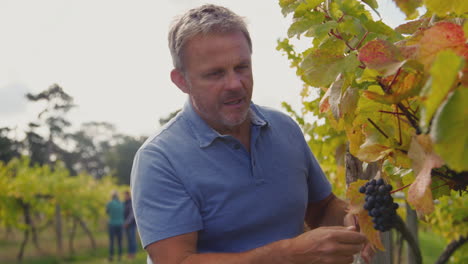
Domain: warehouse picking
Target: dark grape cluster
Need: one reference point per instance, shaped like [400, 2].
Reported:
[379, 204]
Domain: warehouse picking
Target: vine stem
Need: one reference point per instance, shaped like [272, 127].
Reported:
[401, 188]
[399, 128]
[362, 39]
[389, 112]
[377, 127]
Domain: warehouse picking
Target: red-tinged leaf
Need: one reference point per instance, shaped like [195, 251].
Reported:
[324, 103]
[442, 36]
[356, 207]
[409, 52]
[424, 160]
[412, 26]
[381, 55]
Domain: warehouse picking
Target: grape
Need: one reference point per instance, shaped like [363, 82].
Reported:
[379, 204]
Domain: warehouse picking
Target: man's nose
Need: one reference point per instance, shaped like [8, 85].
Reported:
[233, 81]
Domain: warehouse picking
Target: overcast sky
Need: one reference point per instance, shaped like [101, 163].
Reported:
[111, 56]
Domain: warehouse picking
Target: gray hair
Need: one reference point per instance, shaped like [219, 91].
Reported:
[205, 19]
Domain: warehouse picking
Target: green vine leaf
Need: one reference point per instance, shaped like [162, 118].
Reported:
[449, 130]
[444, 8]
[444, 73]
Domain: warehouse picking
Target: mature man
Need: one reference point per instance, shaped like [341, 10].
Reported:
[227, 181]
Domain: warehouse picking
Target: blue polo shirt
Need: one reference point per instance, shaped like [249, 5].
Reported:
[188, 178]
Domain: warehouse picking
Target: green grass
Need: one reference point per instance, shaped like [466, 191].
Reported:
[10, 244]
[431, 246]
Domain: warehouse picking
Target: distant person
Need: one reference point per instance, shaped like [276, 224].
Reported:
[115, 211]
[129, 226]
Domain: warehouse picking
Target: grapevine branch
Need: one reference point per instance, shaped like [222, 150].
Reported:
[411, 118]
[377, 127]
[448, 251]
[399, 128]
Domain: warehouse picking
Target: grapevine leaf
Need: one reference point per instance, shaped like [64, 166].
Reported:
[350, 26]
[439, 188]
[349, 101]
[319, 31]
[441, 36]
[356, 204]
[356, 199]
[381, 30]
[324, 102]
[322, 66]
[412, 26]
[381, 55]
[288, 6]
[373, 150]
[355, 137]
[449, 130]
[403, 87]
[306, 6]
[442, 8]
[409, 7]
[372, 3]
[400, 159]
[465, 28]
[424, 160]
[367, 227]
[335, 96]
[355, 9]
[303, 24]
[444, 72]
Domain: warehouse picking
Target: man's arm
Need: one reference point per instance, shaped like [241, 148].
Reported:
[321, 245]
[330, 211]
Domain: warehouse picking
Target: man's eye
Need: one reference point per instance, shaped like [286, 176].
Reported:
[242, 67]
[214, 74]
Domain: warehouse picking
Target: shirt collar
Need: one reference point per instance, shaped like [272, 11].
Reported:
[205, 134]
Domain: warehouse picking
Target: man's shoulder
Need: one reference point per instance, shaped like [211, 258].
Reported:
[171, 136]
[172, 129]
[274, 116]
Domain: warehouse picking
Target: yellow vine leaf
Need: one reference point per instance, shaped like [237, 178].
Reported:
[356, 203]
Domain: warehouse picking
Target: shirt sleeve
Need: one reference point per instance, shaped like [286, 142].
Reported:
[161, 204]
[319, 186]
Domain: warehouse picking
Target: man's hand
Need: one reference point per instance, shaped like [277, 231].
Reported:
[332, 244]
[367, 251]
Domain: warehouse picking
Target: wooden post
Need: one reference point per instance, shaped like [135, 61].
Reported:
[412, 224]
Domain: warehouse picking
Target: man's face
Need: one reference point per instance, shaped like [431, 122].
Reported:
[218, 78]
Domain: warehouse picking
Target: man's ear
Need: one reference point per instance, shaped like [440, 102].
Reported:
[178, 79]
